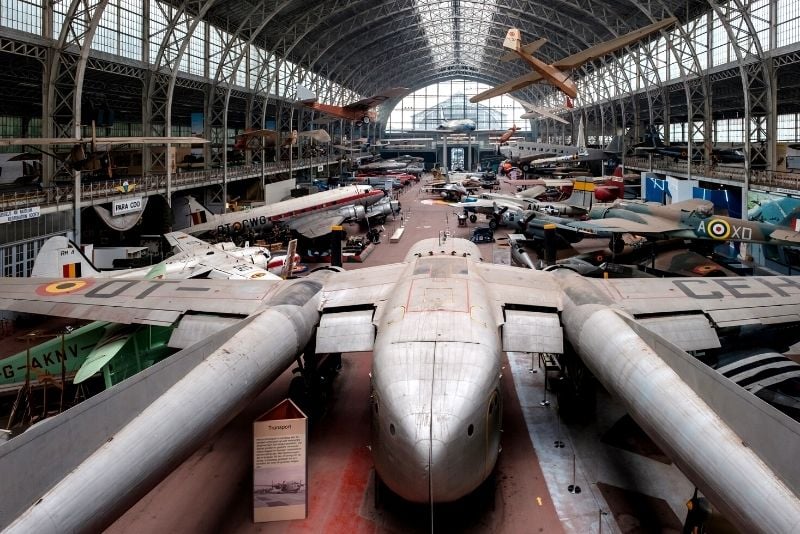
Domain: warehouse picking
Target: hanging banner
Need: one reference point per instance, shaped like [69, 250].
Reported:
[19, 214]
[280, 469]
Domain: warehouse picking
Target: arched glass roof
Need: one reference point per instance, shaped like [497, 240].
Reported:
[427, 108]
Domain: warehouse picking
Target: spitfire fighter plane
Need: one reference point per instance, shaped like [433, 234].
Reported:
[437, 325]
[692, 219]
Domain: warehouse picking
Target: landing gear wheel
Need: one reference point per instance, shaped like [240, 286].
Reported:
[575, 390]
[365, 119]
[493, 224]
[473, 218]
[298, 392]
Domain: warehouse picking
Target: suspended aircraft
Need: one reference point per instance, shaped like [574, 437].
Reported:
[361, 111]
[455, 125]
[437, 322]
[92, 154]
[507, 134]
[257, 139]
[538, 112]
[558, 73]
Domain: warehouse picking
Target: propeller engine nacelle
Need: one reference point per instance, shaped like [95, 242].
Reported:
[356, 212]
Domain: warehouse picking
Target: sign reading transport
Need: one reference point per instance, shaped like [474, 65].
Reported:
[19, 214]
[128, 205]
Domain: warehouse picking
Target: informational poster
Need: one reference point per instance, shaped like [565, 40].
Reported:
[280, 469]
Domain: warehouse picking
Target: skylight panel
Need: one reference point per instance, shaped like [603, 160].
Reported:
[456, 29]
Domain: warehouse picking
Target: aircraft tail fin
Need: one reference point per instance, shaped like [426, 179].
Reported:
[304, 94]
[580, 142]
[513, 40]
[195, 213]
[582, 192]
[792, 220]
[61, 258]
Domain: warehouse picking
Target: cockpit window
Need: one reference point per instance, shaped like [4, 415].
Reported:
[440, 267]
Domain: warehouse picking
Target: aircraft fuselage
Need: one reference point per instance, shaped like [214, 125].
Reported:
[436, 383]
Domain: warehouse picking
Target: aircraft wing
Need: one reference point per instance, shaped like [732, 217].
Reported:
[315, 224]
[653, 225]
[599, 50]
[46, 141]
[508, 87]
[785, 234]
[754, 300]
[133, 301]
[529, 48]
[186, 243]
[376, 100]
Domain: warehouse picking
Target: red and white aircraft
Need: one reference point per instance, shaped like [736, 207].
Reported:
[362, 111]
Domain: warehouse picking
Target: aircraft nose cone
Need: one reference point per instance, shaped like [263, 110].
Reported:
[440, 462]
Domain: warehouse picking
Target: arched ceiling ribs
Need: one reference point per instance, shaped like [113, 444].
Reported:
[554, 18]
[65, 87]
[257, 18]
[161, 83]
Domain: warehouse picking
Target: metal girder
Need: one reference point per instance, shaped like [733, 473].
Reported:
[375, 17]
[234, 50]
[758, 78]
[22, 48]
[67, 66]
[161, 80]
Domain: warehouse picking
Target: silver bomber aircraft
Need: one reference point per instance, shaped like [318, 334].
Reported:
[437, 324]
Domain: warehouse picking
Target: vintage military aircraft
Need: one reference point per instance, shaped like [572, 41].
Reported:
[90, 155]
[437, 323]
[257, 139]
[557, 73]
[95, 347]
[692, 219]
[529, 154]
[361, 112]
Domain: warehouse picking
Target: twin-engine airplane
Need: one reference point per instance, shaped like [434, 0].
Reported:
[557, 73]
[437, 325]
[361, 112]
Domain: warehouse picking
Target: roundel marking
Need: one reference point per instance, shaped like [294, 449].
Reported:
[64, 287]
[718, 229]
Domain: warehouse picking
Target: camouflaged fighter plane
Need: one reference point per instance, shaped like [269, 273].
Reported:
[689, 219]
[437, 325]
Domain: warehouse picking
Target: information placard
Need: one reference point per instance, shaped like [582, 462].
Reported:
[280, 469]
[128, 205]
